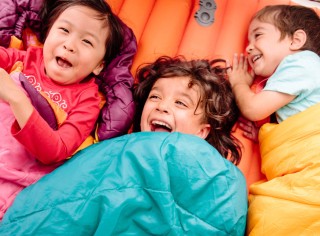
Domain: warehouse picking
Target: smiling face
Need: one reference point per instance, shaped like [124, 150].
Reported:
[266, 50]
[172, 106]
[75, 45]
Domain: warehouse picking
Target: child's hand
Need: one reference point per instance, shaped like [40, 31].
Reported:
[8, 88]
[13, 94]
[238, 73]
[250, 129]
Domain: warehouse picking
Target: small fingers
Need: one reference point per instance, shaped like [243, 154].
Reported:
[252, 74]
[228, 67]
[251, 137]
[2, 71]
[246, 126]
[240, 62]
[241, 59]
[4, 74]
[245, 63]
[235, 61]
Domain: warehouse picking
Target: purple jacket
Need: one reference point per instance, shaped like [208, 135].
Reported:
[117, 114]
[15, 15]
[115, 81]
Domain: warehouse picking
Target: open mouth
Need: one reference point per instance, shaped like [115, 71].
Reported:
[160, 126]
[63, 62]
[255, 58]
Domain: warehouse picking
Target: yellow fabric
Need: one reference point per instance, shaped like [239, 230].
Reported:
[59, 113]
[15, 43]
[288, 202]
[17, 67]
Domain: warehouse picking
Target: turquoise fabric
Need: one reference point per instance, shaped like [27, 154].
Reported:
[138, 184]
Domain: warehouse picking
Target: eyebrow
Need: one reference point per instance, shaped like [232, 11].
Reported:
[258, 28]
[91, 34]
[182, 94]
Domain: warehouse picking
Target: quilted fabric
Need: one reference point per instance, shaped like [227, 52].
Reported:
[15, 16]
[288, 203]
[116, 83]
[138, 184]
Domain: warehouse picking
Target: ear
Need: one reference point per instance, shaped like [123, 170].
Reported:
[99, 68]
[299, 38]
[203, 131]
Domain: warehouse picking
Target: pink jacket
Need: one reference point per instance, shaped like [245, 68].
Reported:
[18, 168]
[115, 81]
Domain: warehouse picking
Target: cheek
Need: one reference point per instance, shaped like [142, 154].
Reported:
[143, 119]
[145, 113]
[48, 49]
[191, 123]
[46, 56]
[51, 40]
[184, 121]
[94, 59]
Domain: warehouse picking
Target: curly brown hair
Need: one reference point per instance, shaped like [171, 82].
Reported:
[217, 99]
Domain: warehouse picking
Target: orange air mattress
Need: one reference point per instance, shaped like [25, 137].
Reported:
[170, 28]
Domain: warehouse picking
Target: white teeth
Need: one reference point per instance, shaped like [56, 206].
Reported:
[156, 122]
[256, 58]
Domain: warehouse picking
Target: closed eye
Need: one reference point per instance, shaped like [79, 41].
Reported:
[64, 29]
[87, 42]
[257, 35]
[153, 97]
[181, 103]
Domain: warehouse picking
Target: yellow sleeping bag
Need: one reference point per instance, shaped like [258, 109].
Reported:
[288, 202]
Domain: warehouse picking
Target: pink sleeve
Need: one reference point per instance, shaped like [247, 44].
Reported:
[52, 146]
[8, 56]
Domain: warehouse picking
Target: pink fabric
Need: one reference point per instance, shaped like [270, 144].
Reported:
[18, 168]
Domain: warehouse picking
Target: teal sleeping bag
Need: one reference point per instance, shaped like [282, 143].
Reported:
[143, 183]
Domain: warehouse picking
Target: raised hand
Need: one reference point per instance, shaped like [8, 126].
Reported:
[239, 73]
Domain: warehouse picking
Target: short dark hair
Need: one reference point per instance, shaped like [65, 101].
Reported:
[51, 10]
[290, 18]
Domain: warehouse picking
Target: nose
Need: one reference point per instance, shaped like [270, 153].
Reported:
[69, 46]
[163, 107]
[249, 48]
